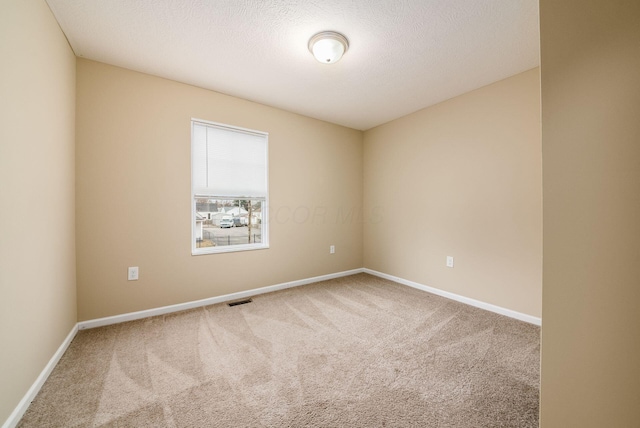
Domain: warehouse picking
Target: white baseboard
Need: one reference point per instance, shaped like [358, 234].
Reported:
[472, 302]
[210, 301]
[23, 405]
[256, 291]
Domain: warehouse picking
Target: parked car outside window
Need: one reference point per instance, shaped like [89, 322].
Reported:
[226, 222]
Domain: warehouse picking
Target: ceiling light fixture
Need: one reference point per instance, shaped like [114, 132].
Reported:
[328, 46]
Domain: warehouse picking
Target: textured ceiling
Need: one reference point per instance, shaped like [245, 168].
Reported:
[404, 55]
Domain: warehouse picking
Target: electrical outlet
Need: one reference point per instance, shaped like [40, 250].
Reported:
[449, 261]
[332, 249]
[133, 273]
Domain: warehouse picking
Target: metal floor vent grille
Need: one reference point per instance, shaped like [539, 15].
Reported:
[240, 302]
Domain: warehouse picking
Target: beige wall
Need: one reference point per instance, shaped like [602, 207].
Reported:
[133, 194]
[37, 245]
[591, 145]
[461, 179]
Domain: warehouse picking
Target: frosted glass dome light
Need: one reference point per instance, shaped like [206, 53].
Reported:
[328, 46]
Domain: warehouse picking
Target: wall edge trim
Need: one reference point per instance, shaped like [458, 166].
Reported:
[466, 300]
[131, 316]
[17, 414]
[24, 404]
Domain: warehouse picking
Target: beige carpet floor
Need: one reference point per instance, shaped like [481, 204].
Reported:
[357, 351]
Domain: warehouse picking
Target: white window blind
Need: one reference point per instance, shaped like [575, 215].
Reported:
[228, 162]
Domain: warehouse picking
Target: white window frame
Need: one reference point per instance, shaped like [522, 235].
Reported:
[264, 244]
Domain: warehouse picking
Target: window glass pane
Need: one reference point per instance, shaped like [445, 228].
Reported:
[228, 222]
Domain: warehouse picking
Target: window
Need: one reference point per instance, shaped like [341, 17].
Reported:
[229, 188]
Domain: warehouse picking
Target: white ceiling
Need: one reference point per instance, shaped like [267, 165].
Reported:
[404, 55]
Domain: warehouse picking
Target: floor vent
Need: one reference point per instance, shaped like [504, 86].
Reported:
[240, 302]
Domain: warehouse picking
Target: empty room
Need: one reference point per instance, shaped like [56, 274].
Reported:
[413, 213]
